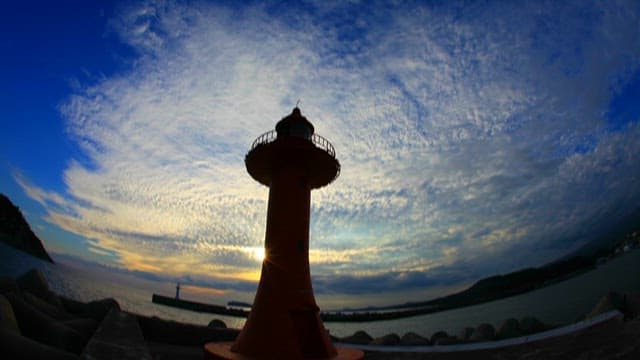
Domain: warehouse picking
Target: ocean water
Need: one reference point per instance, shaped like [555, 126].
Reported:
[560, 303]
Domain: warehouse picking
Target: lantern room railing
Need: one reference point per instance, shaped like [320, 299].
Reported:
[317, 140]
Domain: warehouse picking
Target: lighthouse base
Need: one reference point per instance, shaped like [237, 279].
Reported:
[222, 351]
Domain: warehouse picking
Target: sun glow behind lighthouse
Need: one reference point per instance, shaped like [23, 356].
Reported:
[257, 253]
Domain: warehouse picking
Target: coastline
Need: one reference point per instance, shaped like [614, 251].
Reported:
[190, 344]
[563, 306]
[356, 316]
[605, 336]
[614, 318]
[402, 311]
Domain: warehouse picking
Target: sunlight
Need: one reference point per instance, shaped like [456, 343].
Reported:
[258, 253]
[202, 290]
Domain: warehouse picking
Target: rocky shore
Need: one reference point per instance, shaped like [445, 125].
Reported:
[615, 339]
[510, 328]
[626, 304]
[37, 323]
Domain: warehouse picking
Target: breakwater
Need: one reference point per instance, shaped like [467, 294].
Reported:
[326, 316]
[198, 306]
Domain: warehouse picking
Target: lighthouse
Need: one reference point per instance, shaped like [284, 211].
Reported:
[284, 322]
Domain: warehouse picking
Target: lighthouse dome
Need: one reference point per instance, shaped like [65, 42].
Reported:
[295, 125]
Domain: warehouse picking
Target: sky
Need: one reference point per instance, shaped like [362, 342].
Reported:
[475, 138]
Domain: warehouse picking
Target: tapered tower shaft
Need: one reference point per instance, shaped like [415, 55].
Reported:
[284, 303]
[284, 322]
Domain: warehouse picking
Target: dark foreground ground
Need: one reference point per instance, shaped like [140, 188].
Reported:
[613, 339]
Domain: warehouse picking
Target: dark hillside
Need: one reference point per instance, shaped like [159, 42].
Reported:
[15, 231]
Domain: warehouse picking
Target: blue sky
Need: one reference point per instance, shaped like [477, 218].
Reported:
[475, 138]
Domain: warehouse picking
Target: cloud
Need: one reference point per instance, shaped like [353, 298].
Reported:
[457, 130]
[391, 281]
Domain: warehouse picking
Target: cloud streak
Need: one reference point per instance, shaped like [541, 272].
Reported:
[465, 134]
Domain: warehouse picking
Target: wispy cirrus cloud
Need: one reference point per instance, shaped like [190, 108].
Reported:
[464, 133]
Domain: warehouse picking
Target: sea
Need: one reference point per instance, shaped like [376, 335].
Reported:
[561, 303]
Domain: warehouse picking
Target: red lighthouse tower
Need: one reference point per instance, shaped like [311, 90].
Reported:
[284, 322]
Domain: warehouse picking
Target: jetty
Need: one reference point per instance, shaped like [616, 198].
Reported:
[333, 316]
[197, 306]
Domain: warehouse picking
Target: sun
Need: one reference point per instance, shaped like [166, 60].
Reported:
[258, 253]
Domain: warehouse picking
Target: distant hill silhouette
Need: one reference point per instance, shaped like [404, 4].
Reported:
[484, 290]
[15, 231]
[517, 282]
